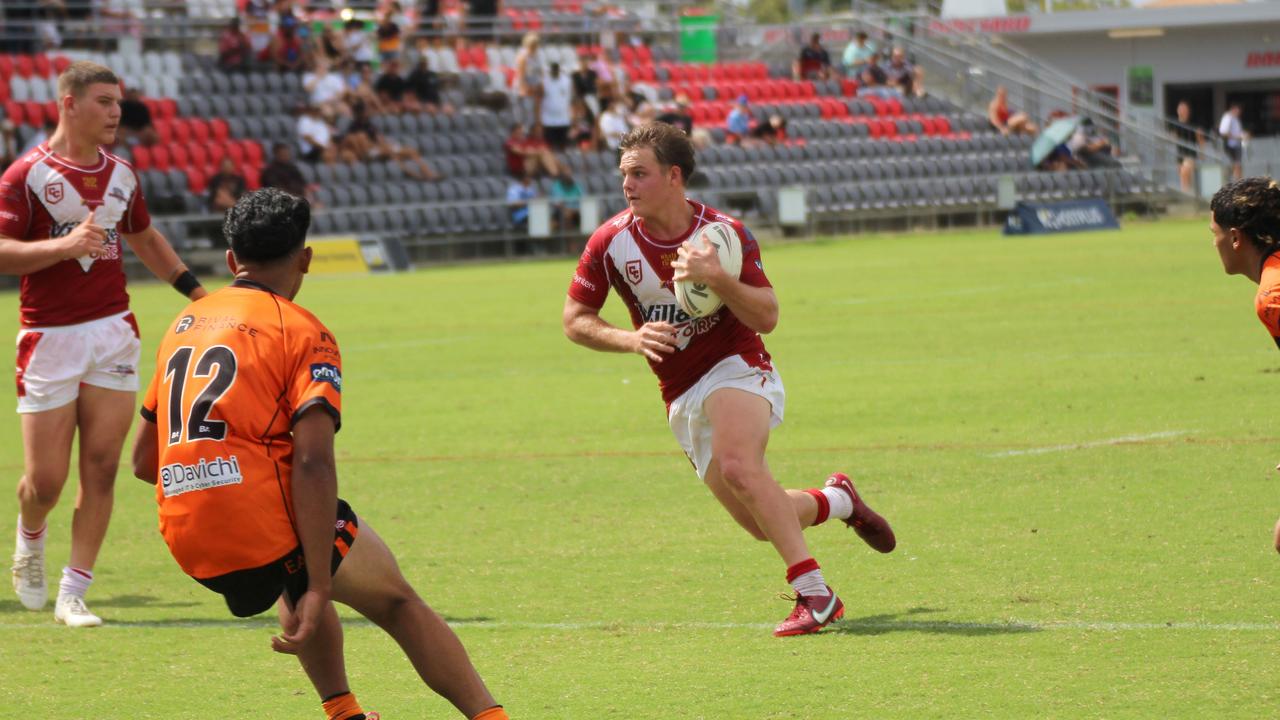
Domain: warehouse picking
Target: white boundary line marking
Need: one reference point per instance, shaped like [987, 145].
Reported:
[1012, 625]
[1122, 440]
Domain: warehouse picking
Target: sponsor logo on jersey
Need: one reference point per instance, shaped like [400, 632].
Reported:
[118, 194]
[325, 372]
[226, 322]
[634, 272]
[579, 280]
[177, 478]
[184, 324]
[53, 192]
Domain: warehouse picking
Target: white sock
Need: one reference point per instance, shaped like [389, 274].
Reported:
[810, 583]
[31, 541]
[75, 581]
[840, 502]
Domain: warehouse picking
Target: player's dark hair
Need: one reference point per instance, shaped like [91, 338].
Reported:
[80, 74]
[669, 144]
[267, 225]
[1252, 206]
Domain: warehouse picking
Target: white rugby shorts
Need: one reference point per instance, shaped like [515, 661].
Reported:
[54, 361]
[689, 422]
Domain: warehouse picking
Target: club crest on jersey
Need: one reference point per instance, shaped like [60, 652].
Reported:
[90, 182]
[53, 192]
[634, 272]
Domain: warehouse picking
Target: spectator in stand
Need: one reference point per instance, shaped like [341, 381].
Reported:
[226, 187]
[331, 47]
[566, 202]
[557, 97]
[363, 141]
[286, 46]
[1089, 147]
[773, 132]
[519, 193]
[873, 78]
[528, 76]
[613, 124]
[388, 33]
[1007, 121]
[327, 91]
[584, 84]
[391, 89]
[677, 113]
[9, 149]
[136, 127]
[528, 154]
[360, 88]
[814, 62]
[738, 124]
[583, 133]
[234, 49]
[315, 137]
[1190, 139]
[282, 172]
[1232, 133]
[356, 39]
[856, 55]
[424, 83]
[900, 74]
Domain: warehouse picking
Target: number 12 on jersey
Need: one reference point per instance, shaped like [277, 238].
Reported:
[218, 363]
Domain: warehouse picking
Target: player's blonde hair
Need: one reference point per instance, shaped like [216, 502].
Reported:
[79, 75]
[1252, 206]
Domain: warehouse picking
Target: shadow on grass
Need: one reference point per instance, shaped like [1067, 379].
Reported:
[138, 601]
[886, 623]
[265, 620]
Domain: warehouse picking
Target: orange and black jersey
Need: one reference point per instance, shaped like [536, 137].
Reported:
[1267, 302]
[234, 372]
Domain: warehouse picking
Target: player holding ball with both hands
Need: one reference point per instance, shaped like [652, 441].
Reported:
[722, 391]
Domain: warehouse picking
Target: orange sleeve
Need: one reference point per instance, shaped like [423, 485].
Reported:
[317, 379]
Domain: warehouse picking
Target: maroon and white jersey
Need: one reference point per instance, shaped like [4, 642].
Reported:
[45, 196]
[622, 255]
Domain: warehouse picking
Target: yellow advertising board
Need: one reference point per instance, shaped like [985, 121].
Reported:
[337, 254]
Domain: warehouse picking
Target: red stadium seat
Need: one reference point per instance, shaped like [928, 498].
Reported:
[235, 152]
[199, 157]
[34, 112]
[218, 129]
[168, 108]
[199, 130]
[61, 63]
[41, 65]
[51, 112]
[197, 180]
[24, 66]
[6, 67]
[215, 152]
[252, 177]
[942, 125]
[164, 130]
[252, 151]
[4, 92]
[181, 130]
[15, 112]
[160, 158]
[628, 55]
[644, 55]
[142, 157]
[178, 155]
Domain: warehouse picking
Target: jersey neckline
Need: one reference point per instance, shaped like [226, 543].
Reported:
[49, 153]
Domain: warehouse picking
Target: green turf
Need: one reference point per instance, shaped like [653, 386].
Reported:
[975, 386]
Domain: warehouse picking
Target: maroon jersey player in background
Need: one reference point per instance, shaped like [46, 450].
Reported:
[64, 207]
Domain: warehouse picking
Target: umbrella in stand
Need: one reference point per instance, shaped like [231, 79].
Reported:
[1052, 137]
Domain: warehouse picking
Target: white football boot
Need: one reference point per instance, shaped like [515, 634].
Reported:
[28, 578]
[71, 611]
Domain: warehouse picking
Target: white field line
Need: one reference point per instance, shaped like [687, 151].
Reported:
[1013, 626]
[1122, 440]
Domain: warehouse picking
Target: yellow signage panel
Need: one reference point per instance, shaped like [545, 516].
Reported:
[336, 255]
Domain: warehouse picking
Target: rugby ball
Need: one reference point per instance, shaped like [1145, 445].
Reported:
[697, 299]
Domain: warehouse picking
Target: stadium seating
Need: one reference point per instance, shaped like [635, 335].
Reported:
[857, 155]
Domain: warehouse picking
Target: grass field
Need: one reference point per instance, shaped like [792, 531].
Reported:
[1074, 437]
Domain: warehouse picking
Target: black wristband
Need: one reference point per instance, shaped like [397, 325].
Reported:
[186, 283]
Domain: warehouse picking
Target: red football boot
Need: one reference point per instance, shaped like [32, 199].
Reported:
[870, 526]
[811, 614]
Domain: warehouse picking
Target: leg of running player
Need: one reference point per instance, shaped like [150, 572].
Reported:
[321, 656]
[105, 416]
[46, 450]
[370, 582]
[740, 478]
[46, 447]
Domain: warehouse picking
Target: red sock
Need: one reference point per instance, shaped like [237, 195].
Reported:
[342, 707]
[494, 713]
[824, 505]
